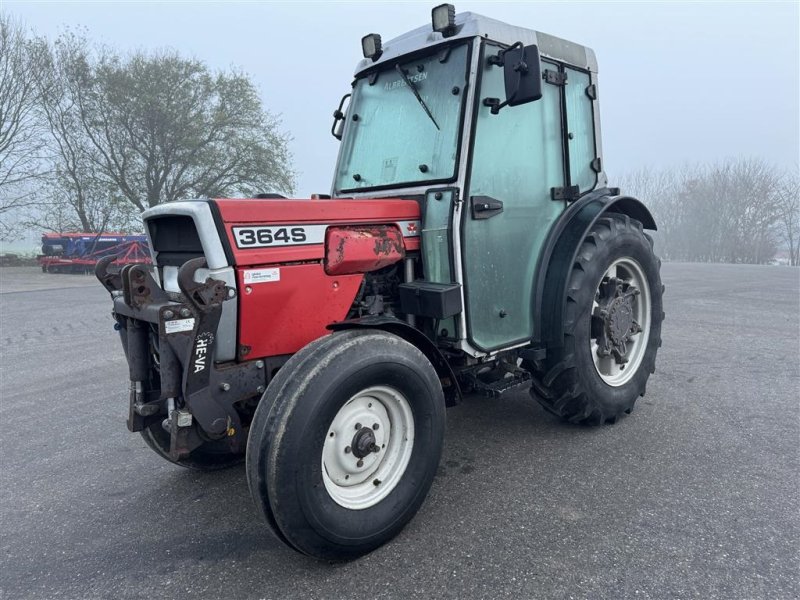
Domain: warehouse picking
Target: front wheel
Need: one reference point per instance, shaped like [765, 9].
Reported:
[345, 444]
[612, 327]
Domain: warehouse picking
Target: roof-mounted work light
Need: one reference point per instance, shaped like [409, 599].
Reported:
[444, 19]
[371, 46]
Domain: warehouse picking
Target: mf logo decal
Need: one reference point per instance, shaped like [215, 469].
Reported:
[201, 348]
[409, 228]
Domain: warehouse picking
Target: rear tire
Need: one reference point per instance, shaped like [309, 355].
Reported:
[304, 450]
[574, 382]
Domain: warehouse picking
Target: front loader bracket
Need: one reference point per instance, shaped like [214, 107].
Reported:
[169, 342]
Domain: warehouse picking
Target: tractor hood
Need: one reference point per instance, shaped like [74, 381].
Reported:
[276, 231]
[262, 231]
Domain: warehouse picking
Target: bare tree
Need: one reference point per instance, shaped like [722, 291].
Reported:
[788, 195]
[21, 140]
[132, 132]
[663, 192]
[724, 212]
[735, 204]
[75, 181]
[166, 128]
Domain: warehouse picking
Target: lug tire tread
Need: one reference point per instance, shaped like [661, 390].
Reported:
[557, 382]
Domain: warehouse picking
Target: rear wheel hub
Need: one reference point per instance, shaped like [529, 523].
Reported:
[615, 313]
[620, 321]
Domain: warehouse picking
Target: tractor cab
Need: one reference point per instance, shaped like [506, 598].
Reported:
[495, 130]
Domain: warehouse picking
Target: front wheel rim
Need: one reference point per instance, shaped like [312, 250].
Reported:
[367, 447]
[630, 275]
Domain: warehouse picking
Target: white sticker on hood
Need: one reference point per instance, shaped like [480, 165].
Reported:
[262, 276]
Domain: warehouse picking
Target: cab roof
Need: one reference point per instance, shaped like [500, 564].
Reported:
[469, 25]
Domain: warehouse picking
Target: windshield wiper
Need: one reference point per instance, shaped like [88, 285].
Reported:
[414, 91]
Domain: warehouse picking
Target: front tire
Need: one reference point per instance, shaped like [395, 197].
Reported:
[345, 444]
[612, 327]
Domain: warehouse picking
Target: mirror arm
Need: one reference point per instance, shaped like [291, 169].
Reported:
[338, 115]
[499, 58]
[495, 104]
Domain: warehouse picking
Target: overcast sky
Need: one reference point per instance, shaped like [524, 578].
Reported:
[679, 82]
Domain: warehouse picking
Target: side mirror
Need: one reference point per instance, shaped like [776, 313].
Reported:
[522, 75]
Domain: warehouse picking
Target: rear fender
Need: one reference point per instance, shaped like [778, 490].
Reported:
[452, 392]
[559, 254]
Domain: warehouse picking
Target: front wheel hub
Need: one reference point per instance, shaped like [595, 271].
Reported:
[363, 443]
[359, 470]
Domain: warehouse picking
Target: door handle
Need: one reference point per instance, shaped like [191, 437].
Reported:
[485, 207]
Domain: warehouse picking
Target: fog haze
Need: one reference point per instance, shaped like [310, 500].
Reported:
[679, 82]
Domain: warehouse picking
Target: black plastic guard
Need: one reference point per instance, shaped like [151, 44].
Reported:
[560, 252]
[452, 391]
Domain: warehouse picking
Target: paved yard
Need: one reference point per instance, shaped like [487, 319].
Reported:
[695, 495]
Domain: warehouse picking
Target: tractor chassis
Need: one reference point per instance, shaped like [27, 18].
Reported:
[169, 341]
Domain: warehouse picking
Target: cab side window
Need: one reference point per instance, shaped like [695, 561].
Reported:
[580, 127]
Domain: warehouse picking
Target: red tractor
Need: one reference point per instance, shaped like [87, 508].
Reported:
[470, 244]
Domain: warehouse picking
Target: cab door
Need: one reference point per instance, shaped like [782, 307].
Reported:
[517, 157]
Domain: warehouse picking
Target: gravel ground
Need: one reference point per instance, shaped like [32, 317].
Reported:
[695, 495]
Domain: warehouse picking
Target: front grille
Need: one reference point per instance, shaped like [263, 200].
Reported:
[175, 239]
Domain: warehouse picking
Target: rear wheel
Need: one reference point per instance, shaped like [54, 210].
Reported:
[346, 442]
[612, 327]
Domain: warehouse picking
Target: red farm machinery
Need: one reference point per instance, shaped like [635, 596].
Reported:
[79, 252]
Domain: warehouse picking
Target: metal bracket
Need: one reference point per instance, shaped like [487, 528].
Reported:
[339, 114]
[493, 104]
[111, 280]
[203, 296]
[554, 77]
[496, 382]
[139, 287]
[568, 193]
[485, 207]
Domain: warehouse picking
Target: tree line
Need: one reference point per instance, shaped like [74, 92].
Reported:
[90, 137]
[740, 210]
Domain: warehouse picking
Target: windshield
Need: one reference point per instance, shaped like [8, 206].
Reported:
[393, 137]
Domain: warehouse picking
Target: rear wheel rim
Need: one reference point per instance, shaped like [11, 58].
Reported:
[367, 447]
[631, 275]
